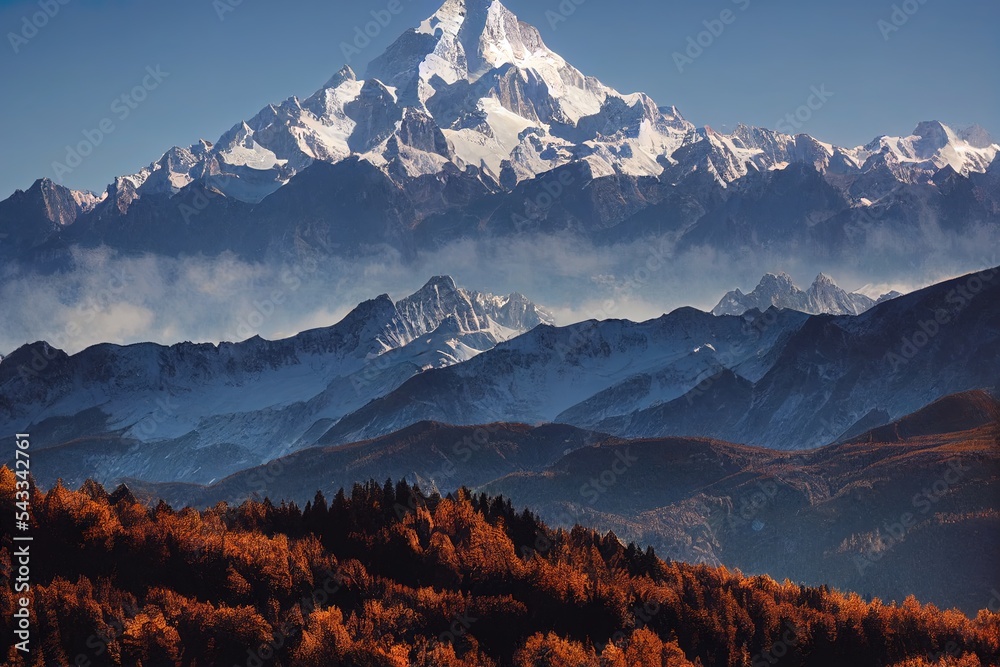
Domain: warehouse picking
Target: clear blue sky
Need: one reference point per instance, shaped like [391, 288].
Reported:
[941, 64]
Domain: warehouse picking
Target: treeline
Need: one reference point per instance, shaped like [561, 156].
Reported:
[388, 577]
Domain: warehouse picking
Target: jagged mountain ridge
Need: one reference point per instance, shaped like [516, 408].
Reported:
[778, 379]
[474, 86]
[469, 109]
[202, 411]
[781, 379]
[824, 297]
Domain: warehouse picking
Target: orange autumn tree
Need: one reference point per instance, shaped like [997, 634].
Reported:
[389, 576]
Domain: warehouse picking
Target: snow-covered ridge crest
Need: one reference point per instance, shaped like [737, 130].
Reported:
[474, 36]
[441, 301]
[777, 290]
[475, 88]
[933, 146]
[266, 394]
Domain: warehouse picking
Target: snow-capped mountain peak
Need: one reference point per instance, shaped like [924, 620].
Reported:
[265, 394]
[931, 147]
[485, 82]
[473, 87]
[825, 280]
[475, 36]
[778, 290]
[482, 45]
[779, 280]
[344, 74]
[774, 289]
[441, 300]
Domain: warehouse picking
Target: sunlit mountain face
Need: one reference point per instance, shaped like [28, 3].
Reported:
[469, 148]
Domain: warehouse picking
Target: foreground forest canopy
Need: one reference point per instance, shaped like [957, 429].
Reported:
[389, 577]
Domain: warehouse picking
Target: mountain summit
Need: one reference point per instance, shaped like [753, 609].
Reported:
[824, 297]
[246, 402]
[469, 127]
[466, 40]
[473, 86]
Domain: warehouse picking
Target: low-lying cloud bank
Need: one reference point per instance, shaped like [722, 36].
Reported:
[112, 298]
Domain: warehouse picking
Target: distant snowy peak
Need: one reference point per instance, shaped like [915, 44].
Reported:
[262, 394]
[471, 86]
[824, 297]
[932, 146]
[778, 291]
[888, 297]
[475, 88]
[467, 39]
[774, 288]
[56, 203]
[441, 303]
[381, 326]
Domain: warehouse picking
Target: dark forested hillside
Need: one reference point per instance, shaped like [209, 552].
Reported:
[831, 516]
[389, 577]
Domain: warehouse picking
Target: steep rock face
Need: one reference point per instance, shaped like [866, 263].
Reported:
[417, 130]
[375, 114]
[824, 297]
[28, 218]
